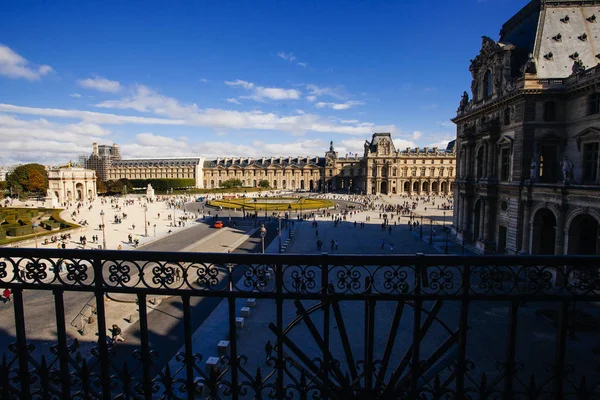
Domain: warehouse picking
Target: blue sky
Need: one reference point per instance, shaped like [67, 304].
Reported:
[234, 78]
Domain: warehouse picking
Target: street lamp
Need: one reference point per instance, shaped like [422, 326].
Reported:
[145, 220]
[421, 234]
[263, 233]
[154, 230]
[279, 232]
[444, 219]
[103, 233]
[288, 221]
[35, 226]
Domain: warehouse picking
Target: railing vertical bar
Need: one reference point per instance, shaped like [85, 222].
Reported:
[280, 363]
[189, 353]
[511, 349]
[146, 380]
[63, 351]
[233, 342]
[462, 333]
[369, 339]
[22, 350]
[416, 339]
[102, 344]
[326, 350]
[561, 348]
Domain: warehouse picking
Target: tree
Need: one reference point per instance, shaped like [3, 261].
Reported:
[231, 183]
[28, 179]
[264, 184]
[3, 185]
[101, 187]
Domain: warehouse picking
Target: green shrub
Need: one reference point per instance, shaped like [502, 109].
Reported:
[20, 230]
[163, 184]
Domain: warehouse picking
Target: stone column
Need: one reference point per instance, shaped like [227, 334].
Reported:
[526, 229]
[559, 238]
[483, 223]
[465, 215]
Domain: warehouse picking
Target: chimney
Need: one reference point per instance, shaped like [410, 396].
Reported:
[280, 160]
[346, 156]
[95, 149]
[290, 160]
[218, 160]
[426, 150]
[272, 158]
[249, 160]
[225, 161]
[408, 149]
[417, 150]
[263, 161]
[356, 156]
[435, 149]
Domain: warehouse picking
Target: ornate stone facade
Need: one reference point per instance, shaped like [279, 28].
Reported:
[71, 184]
[528, 176]
[381, 169]
[157, 168]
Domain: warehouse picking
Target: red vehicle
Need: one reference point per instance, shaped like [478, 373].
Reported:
[218, 224]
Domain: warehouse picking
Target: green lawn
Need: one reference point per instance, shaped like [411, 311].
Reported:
[272, 204]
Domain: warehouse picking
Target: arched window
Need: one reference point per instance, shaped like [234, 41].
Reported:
[487, 81]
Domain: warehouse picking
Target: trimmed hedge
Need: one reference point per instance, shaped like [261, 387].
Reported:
[163, 184]
[20, 230]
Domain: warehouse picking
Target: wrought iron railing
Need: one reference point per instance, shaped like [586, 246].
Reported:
[342, 327]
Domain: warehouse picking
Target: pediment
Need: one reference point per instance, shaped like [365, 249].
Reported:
[590, 133]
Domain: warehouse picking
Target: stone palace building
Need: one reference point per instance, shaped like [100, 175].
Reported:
[381, 169]
[527, 143]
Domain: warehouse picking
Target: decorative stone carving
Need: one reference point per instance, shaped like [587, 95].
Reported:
[578, 67]
[529, 67]
[567, 169]
[464, 101]
[331, 146]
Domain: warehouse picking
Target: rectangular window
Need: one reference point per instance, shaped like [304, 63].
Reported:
[549, 111]
[590, 162]
[505, 164]
[594, 104]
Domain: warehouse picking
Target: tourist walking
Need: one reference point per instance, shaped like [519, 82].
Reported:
[6, 295]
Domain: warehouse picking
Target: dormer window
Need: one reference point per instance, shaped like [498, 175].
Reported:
[487, 84]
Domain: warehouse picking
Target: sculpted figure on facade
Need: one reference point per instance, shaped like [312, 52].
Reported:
[567, 169]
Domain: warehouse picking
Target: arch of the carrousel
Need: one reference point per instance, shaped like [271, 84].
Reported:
[583, 234]
[543, 228]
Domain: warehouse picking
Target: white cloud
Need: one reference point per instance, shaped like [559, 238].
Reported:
[301, 112]
[417, 135]
[12, 65]
[40, 140]
[335, 92]
[349, 121]
[150, 139]
[101, 84]
[261, 93]
[311, 98]
[303, 64]
[203, 80]
[221, 134]
[239, 82]
[442, 144]
[402, 144]
[339, 106]
[286, 56]
[76, 95]
[447, 124]
[172, 112]
[234, 101]
[277, 93]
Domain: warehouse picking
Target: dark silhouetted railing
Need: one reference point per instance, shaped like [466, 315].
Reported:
[333, 326]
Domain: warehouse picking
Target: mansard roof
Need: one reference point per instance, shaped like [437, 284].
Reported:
[265, 162]
[156, 162]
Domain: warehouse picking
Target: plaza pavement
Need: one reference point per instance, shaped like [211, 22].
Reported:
[487, 321]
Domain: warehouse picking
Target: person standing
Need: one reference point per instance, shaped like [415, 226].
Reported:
[336, 244]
